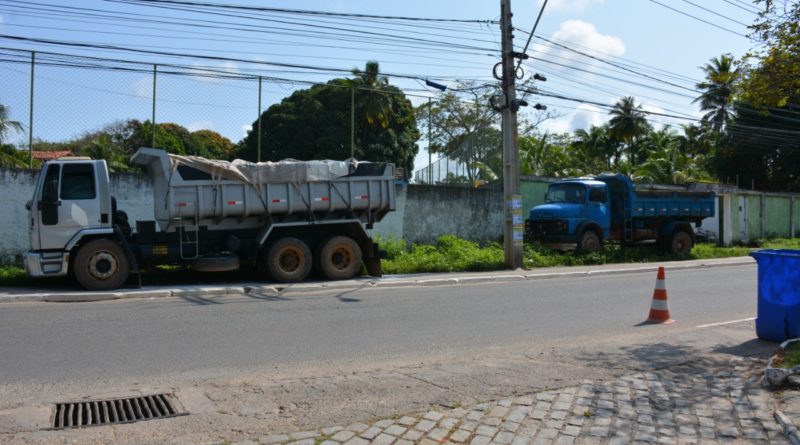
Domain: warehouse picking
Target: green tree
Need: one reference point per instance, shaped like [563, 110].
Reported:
[6, 124]
[463, 129]
[213, 145]
[10, 157]
[315, 124]
[717, 90]
[772, 72]
[596, 149]
[629, 123]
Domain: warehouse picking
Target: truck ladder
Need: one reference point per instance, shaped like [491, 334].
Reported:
[190, 238]
[627, 220]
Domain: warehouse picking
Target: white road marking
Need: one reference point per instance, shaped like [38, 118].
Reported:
[726, 322]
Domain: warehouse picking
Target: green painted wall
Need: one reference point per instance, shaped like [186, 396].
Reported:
[776, 223]
[796, 217]
[532, 195]
[753, 216]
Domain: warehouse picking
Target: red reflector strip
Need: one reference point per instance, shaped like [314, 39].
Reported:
[234, 203]
[183, 204]
[278, 201]
[323, 199]
[364, 197]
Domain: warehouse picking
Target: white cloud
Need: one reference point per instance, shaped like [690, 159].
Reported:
[246, 129]
[584, 37]
[571, 5]
[582, 118]
[200, 125]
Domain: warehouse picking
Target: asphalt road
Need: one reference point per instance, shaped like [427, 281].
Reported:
[43, 343]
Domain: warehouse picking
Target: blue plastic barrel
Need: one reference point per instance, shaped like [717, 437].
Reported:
[778, 316]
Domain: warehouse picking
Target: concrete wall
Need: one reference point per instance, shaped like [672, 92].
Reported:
[423, 213]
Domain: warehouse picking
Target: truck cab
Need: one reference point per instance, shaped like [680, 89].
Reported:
[71, 204]
[573, 209]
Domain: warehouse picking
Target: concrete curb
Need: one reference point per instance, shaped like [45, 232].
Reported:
[789, 430]
[200, 291]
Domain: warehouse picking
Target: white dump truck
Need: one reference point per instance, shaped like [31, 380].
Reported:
[279, 217]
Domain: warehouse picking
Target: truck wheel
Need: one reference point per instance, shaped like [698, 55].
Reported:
[681, 244]
[589, 242]
[289, 260]
[340, 258]
[101, 264]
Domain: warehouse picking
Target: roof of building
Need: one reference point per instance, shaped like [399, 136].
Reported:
[48, 155]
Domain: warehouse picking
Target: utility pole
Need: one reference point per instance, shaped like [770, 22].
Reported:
[513, 223]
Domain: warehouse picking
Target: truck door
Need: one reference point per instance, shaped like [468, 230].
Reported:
[45, 212]
[67, 205]
[598, 208]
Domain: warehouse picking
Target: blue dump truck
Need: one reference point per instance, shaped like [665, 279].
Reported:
[583, 213]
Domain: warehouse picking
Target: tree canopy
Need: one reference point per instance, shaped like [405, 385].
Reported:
[315, 123]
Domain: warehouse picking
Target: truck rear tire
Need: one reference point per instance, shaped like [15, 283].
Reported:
[589, 242]
[289, 260]
[340, 258]
[101, 264]
[680, 244]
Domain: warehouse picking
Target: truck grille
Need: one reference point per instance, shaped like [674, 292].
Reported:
[544, 226]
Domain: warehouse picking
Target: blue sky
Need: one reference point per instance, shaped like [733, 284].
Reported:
[664, 47]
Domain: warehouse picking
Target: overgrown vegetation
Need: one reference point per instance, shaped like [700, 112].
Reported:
[789, 357]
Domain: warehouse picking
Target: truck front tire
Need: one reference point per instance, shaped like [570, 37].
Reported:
[101, 264]
[589, 242]
[340, 258]
[680, 244]
[289, 260]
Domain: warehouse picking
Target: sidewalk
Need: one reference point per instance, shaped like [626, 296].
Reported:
[708, 402]
[62, 294]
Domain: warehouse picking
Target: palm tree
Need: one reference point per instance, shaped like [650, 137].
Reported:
[6, 124]
[596, 146]
[372, 96]
[628, 124]
[717, 90]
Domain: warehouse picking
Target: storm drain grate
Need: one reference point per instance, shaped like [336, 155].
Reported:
[114, 411]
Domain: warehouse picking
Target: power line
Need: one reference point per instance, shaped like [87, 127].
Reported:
[714, 12]
[305, 12]
[700, 20]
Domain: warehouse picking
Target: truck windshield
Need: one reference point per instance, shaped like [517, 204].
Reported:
[565, 193]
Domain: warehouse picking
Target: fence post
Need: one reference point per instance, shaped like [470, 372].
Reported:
[30, 114]
[430, 156]
[258, 138]
[761, 215]
[352, 121]
[153, 139]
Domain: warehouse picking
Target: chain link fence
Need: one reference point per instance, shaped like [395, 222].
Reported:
[59, 98]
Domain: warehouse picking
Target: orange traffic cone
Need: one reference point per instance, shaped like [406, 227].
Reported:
[659, 310]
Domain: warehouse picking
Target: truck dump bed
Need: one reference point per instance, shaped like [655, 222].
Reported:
[240, 194]
[669, 203]
[680, 204]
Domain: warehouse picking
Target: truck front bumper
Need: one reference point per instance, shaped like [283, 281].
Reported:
[46, 264]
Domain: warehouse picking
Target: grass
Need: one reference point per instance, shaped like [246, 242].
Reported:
[449, 254]
[791, 356]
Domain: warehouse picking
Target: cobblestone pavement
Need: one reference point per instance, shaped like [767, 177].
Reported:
[701, 403]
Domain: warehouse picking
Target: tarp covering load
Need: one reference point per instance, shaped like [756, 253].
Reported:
[288, 170]
[190, 190]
